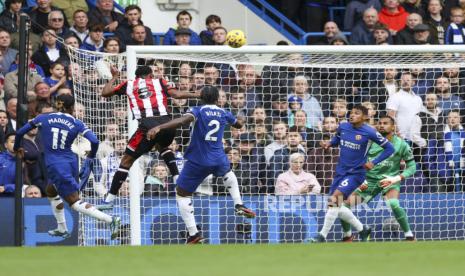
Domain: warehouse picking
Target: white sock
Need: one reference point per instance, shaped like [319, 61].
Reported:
[230, 181]
[348, 233]
[82, 207]
[58, 213]
[187, 213]
[110, 197]
[330, 218]
[346, 215]
[409, 234]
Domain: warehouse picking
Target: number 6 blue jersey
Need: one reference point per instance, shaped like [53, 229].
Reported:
[206, 145]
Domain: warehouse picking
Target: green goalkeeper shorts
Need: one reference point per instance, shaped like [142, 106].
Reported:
[374, 189]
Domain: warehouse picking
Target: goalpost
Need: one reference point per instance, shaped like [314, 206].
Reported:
[255, 77]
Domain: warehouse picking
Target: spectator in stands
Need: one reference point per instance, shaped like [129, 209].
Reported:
[9, 18]
[57, 78]
[414, 6]
[279, 162]
[139, 36]
[250, 83]
[260, 131]
[70, 6]
[355, 12]
[251, 171]
[279, 108]
[212, 22]
[33, 68]
[405, 36]
[457, 83]
[198, 80]
[362, 32]
[422, 35]
[212, 75]
[72, 40]
[372, 112]
[49, 52]
[381, 34]
[455, 33]
[310, 104]
[436, 21]
[33, 159]
[3, 126]
[184, 20]
[322, 163]
[279, 140]
[330, 29]
[104, 15]
[42, 91]
[94, 41]
[296, 181]
[8, 167]
[234, 140]
[432, 118]
[56, 22]
[32, 191]
[237, 102]
[219, 35]
[109, 165]
[7, 54]
[454, 149]
[446, 100]
[182, 37]
[381, 90]
[80, 27]
[258, 116]
[310, 136]
[112, 45]
[393, 15]
[125, 30]
[11, 111]
[339, 39]
[39, 15]
[404, 106]
[11, 82]
[330, 125]
[339, 109]
[159, 183]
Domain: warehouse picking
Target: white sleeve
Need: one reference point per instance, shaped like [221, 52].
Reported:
[392, 103]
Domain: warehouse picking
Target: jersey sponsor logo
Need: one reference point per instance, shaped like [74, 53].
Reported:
[144, 93]
[358, 137]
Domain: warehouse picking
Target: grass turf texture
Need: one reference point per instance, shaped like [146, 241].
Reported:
[358, 259]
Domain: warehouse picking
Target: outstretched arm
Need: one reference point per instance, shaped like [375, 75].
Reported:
[20, 133]
[176, 94]
[94, 142]
[108, 89]
[188, 118]
[388, 151]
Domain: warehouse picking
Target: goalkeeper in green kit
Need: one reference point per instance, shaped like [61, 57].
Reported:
[385, 178]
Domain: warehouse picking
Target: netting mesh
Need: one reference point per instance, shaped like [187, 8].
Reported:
[281, 94]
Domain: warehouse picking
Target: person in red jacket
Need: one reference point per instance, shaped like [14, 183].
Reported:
[393, 15]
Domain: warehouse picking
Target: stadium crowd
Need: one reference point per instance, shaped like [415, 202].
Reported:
[288, 109]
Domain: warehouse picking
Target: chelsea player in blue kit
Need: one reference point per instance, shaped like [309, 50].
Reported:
[354, 140]
[58, 131]
[205, 155]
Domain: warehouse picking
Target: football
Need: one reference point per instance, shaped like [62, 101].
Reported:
[236, 38]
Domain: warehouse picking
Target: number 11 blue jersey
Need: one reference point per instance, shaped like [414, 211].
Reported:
[206, 145]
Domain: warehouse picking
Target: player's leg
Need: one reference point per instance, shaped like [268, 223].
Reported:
[231, 183]
[58, 211]
[189, 179]
[353, 200]
[392, 199]
[162, 142]
[334, 203]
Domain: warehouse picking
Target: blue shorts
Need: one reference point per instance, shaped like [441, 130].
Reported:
[193, 174]
[64, 176]
[346, 184]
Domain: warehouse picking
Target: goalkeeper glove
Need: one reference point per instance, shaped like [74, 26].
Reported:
[389, 180]
[84, 172]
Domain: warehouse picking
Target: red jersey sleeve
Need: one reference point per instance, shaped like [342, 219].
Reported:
[121, 88]
[167, 86]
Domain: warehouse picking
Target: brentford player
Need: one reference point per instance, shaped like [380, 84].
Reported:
[148, 99]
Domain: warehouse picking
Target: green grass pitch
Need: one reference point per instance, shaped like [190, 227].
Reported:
[358, 259]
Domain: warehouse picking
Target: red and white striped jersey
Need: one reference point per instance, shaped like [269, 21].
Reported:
[147, 97]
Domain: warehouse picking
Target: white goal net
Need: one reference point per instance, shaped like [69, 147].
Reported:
[282, 91]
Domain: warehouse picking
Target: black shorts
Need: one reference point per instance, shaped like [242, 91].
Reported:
[139, 145]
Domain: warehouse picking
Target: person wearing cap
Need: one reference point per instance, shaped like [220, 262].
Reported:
[94, 41]
[184, 20]
[252, 166]
[421, 34]
[338, 39]
[182, 37]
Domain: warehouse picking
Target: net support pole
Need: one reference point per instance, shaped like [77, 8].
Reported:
[21, 111]
[135, 173]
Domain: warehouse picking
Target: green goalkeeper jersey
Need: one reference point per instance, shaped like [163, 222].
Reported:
[391, 165]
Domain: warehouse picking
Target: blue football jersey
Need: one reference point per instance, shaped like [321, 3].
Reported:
[354, 144]
[58, 131]
[206, 144]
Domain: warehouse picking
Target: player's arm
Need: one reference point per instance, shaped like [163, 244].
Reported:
[94, 142]
[176, 94]
[187, 118]
[109, 88]
[335, 140]
[239, 122]
[385, 144]
[410, 169]
[20, 134]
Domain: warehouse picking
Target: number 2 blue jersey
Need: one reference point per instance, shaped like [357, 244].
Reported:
[354, 144]
[206, 145]
[58, 131]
